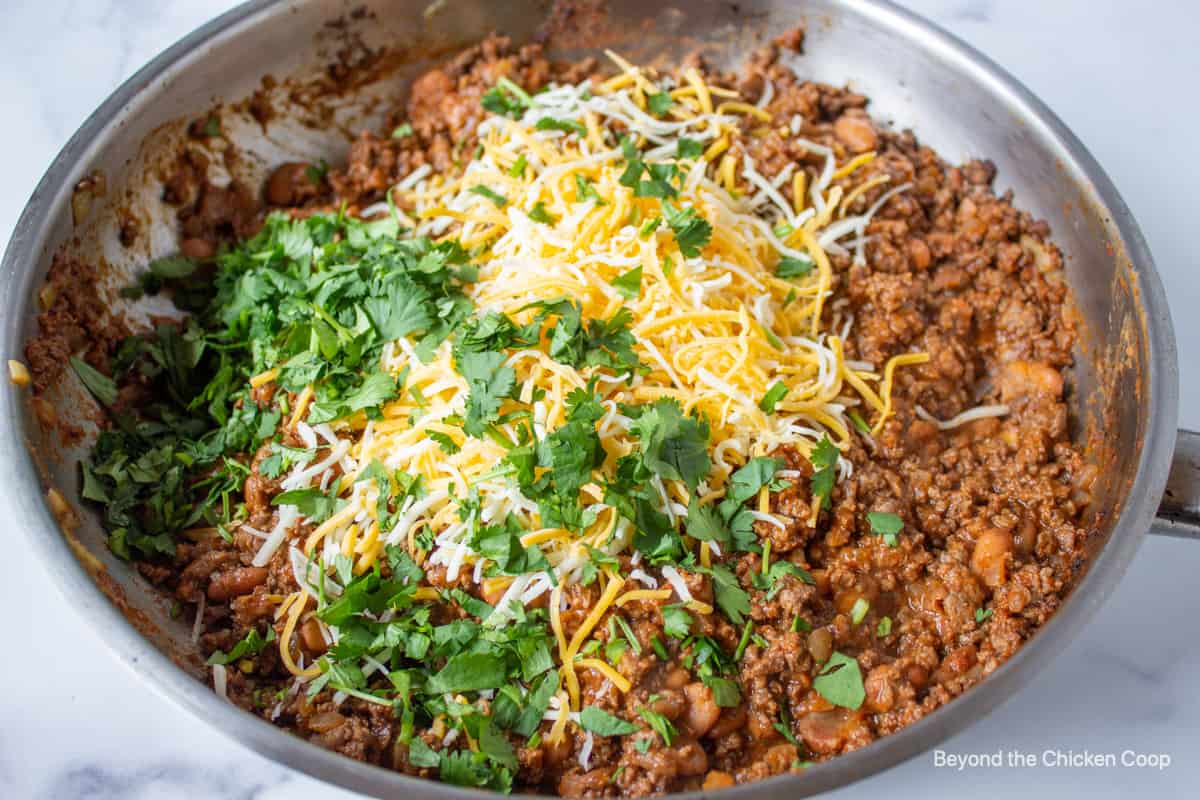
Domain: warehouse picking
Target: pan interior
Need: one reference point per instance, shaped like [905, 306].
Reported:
[911, 83]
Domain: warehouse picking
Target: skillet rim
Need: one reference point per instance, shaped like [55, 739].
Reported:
[25, 252]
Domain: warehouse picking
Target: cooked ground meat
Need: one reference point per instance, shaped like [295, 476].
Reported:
[991, 509]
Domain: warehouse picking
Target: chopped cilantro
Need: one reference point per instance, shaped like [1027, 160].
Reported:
[777, 392]
[251, 645]
[688, 148]
[401, 131]
[629, 636]
[506, 98]
[692, 231]
[564, 125]
[584, 190]
[673, 445]
[824, 458]
[539, 214]
[730, 597]
[467, 672]
[840, 682]
[770, 579]
[659, 103]
[629, 284]
[100, 385]
[726, 693]
[490, 383]
[649, 227]
[659, 724]
[313, 503]
[677, 622]
[789, 267]
[887, 525]
[983, 615]
[499, 200]
[602, 723]
[660, 649]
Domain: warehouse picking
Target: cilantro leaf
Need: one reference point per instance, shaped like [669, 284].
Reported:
[506, 98]
[840, 682]
[467, 672]
[673, 445]
[403, 310]
[706, 524]
[490, 383]
[777, 392]
[313, 503]
[421, 754]
[677, 622]
[602, 723]
[539, 214]
[726, 693]
[824, 458]
[584, 190]
[688, 148]
[251, 645]
[747, 481]
[564, 125]
[444, 442]
[789, 267]
[102, 387]
[771, 580]
[730, 597]
[659, 103]
[498, 200]
[659, 724]
[887, 525]
[692, 232]
[629, 284]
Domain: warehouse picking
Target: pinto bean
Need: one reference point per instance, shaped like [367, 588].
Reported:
[197, 248]
[1025, 378]
[731, 719]
[556, 752]
[311, 638]
[716, 779]
[584, 784]
[290, 185]
[256, 492]
[235, 582]
[677, 678]
[918, 253]
[880, 686]
[670, 703]
[702, 710]
[820, 645]
[690, 758]
[989, 560]
[856, 132]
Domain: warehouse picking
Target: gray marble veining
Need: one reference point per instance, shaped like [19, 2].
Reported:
[73, 724]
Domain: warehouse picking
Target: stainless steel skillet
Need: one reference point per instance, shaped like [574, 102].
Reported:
[1124, 388]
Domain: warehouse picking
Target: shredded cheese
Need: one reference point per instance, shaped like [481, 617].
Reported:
[715, 330]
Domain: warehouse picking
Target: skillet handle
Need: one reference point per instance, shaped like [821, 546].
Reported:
[1179, 510]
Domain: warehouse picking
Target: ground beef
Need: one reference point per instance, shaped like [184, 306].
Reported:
[992, 535]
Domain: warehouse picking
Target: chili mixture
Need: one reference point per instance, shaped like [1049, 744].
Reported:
[595, 430]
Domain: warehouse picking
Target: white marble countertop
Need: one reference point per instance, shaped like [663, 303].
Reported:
[73, 724]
